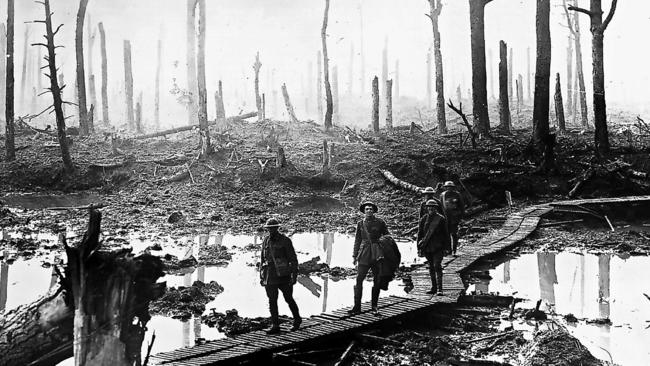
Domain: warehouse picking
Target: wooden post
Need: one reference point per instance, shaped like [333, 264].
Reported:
[102, 41]
[504, 100]
[258, 99]
[156, 112]
[287, 103]
[375, 104]
[335, 95]
[128, 84]
[389, 104]
[559, 106]
[281, 159]
[85, 127]
[10, 147]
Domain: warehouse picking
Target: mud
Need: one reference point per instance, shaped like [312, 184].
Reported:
[183, 302]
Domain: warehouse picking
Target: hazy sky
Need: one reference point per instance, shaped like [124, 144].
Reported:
[287, 35]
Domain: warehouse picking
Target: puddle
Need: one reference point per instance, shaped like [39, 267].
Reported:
[25, 280]
[37, 202]
[590, 287]
[315, 203]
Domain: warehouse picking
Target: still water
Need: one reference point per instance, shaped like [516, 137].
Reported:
[590, 287]
[24, 281]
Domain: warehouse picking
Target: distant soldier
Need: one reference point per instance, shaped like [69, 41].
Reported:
[453, 207]
[279, 272]
[429, 194]
[433, 243]
[367, 253]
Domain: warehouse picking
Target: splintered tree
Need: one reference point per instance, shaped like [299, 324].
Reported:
[287, 103]
[54, 88]
[375, 105]
[573, 23]
[258, 99]
[479, 79]
[102, 42]
[559, 106]
[206, 147]
[10, 147]
[3, 63]
[192, 86]
[128, 84]
[543, 141]
[91, 75]
[389, 104]
[435, 9]
[504, 102]
[598, 27]
[326, 73]
[85, 125]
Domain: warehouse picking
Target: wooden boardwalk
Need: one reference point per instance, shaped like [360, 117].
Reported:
[327, 326]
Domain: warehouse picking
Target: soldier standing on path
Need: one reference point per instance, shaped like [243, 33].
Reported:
[433, 243]
[279, 272]
[453, 207]
[367, 253]
[429, 194]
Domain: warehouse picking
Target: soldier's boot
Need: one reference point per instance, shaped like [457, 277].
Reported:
[439, 283]
[432, 274]
[374, 300]
[275, 321]
[358, 291]
[297, 320]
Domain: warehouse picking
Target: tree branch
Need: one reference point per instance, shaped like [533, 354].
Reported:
[581, 10]
[610, 15]
[568, 18]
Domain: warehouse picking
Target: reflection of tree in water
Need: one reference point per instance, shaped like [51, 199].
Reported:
[603, 285]
[4, 273]
[547, 276]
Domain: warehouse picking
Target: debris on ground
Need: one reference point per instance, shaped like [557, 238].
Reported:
[183, 302]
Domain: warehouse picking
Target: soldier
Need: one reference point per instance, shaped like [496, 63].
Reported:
[453, 207]
[429, 194]
[433, 243]
[279, 272]
[367, 253]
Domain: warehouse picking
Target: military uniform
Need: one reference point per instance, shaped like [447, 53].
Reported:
[433, 241]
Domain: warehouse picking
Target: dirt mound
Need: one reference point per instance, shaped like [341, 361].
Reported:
[557, 348]
[183, 302]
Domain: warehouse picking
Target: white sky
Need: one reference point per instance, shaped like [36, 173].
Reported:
[287, 35]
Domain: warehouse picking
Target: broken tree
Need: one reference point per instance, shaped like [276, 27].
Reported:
[91, 75]
[504, 102]
[435, 9]
[559, 106]
[326, 74]
[85, 125]
[389, 104]
[192, 86]
[375, 104]
[206, 147]
[128, 84]
[287, 103]
[258, 99]
[55, 90]
[479, 79]
[10, 147]
[102, 43]
[573, 23]
[598, 27]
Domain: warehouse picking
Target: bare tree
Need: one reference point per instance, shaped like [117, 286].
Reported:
[3, 65]
[504, 100]
[326, 73]
[258, 99]
[598, 27]
[336, 117]
[479, 79]
[569, 73]
[511, 91]
[54, 88]
[10, 144]
[206, 147]
[375, 104]
[435, 9]
[559, 105]
[192, 86]
[319, 86]
[389, 104]
[128, 84]
[91, 34]
[287, 103]
[102, 42]
[23, 75]
[85, 125]
[573, 23]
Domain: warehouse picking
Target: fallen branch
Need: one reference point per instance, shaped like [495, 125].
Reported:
[586, 177]
[400, 183]
[87, 207]
[347, 354]
[559, 223]
[462, 115]
[191, 127]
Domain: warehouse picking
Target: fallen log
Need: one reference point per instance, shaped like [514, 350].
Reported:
[400, 183]
[348, 351]
[191, 127]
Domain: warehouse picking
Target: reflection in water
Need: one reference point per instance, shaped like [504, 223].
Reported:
[4, 280]
[590, 287]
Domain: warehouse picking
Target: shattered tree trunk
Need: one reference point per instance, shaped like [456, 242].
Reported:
[479, 87]
[128, 84]
[569, 74]
[389, 105]
[504, 102]
[335, 96]
[85, 127]
[375, 104]
[109, 289]
[221, 109]
[102, 42]
[396, 93]
[559, 106]
[258, 99]
[192, 86]
[511, 91]
[319, 86]
[598, 27]
[206, 147]
[3, 65]
[287, 103]
[23, 75]
[10, 147]
[491, 73]
[156, 112]
[138, 117]
[435, 9]
[191, 127]
[384, 77]
[91, 75]
[573, 24]
[326, 73]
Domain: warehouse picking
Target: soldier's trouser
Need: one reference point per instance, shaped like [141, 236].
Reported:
[362, 272]
[435, 268]
[272, 292]
[453, 232]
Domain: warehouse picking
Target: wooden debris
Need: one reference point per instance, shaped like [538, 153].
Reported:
[462, 115]
[400, 183]
[375, 339]
[191, 127]
[348, 351]
[480, 339]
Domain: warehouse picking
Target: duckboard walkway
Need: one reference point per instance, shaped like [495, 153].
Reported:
[327, 326]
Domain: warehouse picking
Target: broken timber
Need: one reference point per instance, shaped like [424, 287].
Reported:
[400, 183]
[191, 127]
